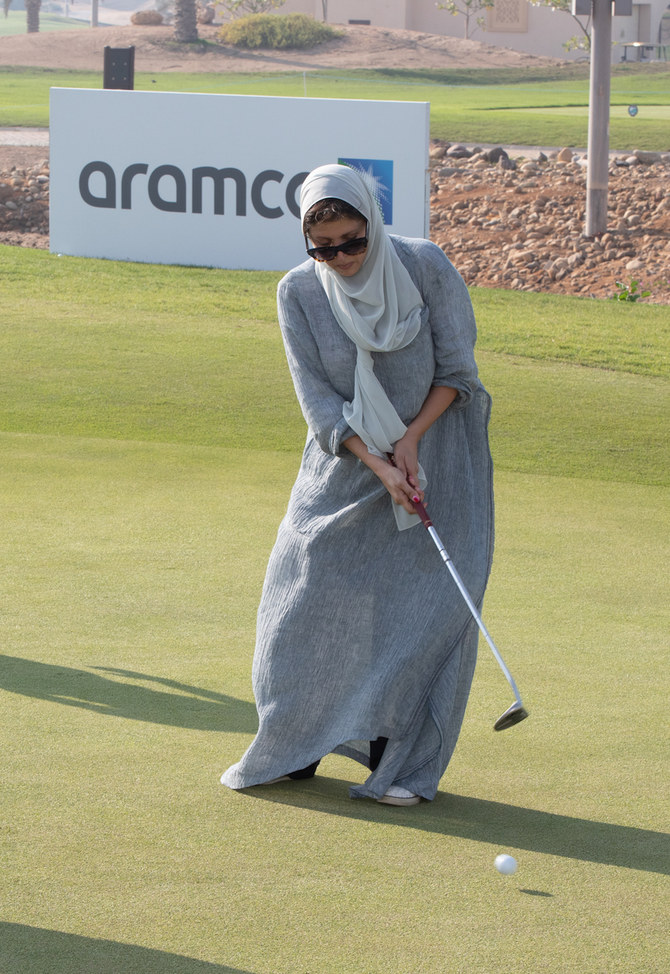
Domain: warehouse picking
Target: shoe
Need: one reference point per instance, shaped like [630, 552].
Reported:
[275, 781]
[399, 796]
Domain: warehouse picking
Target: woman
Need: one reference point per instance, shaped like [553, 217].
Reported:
[364, 645]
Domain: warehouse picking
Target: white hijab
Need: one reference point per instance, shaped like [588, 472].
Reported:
[379, 308]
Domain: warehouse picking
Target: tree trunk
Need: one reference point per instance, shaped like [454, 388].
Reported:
[185, 21]
[33, 16]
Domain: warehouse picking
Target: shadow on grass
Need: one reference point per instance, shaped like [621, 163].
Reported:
[178, 705]
[508, 826]
[32, 950]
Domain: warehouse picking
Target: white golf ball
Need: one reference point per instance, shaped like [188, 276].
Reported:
[505, 864]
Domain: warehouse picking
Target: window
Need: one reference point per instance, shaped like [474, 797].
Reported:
[508, 15]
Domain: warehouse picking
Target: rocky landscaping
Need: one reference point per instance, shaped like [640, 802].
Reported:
[519, 223]
[515, 223]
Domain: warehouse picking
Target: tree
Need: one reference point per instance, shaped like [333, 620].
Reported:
[185, 21]
[580, 42]
[32, 14]
[324, 7]
[470, 10]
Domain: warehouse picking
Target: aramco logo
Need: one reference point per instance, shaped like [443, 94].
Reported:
[378, 174]
[169, 188]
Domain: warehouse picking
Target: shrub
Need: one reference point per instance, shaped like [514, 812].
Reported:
[146, 18]
[276, 30]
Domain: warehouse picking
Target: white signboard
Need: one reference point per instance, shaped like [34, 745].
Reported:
[214, 180]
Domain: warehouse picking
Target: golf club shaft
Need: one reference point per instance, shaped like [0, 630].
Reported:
[446, 558]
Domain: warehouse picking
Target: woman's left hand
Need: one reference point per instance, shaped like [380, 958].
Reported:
[405, 458]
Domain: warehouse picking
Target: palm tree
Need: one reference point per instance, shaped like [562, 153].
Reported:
[185, 21]
[33, 16]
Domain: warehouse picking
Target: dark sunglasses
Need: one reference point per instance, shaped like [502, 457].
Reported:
[351, 247]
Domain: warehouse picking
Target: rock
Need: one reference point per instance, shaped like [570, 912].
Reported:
[205, 13]
[459, 151]
[565, 155]
[493, 155]
[647, 158]
[504, 162]
[635, 265]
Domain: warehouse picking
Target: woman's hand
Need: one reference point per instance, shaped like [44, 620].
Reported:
[398, 487]
[393, 478]
[406, 460]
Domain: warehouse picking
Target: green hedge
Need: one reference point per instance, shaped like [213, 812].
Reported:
[275, 31]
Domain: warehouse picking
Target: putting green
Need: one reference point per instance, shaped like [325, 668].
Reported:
[149, 438]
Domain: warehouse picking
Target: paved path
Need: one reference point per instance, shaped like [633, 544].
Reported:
[24, 136]
[40, 137]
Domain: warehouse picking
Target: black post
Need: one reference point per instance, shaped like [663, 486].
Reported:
[119, 68]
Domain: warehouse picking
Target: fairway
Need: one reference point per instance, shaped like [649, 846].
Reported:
[149, 439]
[508, 106]
[616, 111]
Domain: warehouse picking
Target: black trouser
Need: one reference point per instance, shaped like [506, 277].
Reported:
[376, 752]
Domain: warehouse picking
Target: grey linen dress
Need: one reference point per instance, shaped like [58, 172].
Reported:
[361, 631]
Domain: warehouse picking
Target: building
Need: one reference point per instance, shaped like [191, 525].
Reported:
[517, 24]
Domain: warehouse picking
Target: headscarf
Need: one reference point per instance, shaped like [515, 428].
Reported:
[379, 308]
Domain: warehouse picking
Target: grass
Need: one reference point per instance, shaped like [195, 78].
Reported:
[528, 108]
[172, 380]
[15, 23]
[149, 439]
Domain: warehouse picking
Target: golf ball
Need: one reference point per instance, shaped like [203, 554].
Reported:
[505, 864]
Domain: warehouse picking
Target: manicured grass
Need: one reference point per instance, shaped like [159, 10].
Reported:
[486, 106]
[182, 377]
[15, 23]
[149, 439]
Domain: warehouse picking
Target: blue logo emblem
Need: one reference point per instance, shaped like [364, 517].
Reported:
[378, 174]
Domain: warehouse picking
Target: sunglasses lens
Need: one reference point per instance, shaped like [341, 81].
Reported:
[352, 248]
[323, 253]
[355, 247]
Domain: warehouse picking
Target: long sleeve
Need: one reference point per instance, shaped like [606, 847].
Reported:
[451, 316]
[321, 403]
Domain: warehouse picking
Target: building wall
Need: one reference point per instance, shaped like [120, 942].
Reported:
[515, 24]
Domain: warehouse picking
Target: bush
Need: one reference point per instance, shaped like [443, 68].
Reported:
[276, 30]
[146, 18]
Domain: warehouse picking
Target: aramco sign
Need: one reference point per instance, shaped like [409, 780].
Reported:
[214, 180]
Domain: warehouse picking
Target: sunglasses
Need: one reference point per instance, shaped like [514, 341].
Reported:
[351, 247]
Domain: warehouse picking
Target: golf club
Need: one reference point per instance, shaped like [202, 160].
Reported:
[517, 712]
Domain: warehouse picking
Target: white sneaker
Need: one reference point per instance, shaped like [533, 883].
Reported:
[399, 796]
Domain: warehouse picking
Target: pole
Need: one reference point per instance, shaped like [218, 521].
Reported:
[94, 13]
[599, 118]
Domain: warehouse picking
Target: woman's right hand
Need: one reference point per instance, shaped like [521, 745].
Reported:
[392, 478]
[396, 484]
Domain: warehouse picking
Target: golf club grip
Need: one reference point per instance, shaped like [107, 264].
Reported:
[418, 506]
[423, 514]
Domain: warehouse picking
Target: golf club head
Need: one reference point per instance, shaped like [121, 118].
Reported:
[512, 716]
